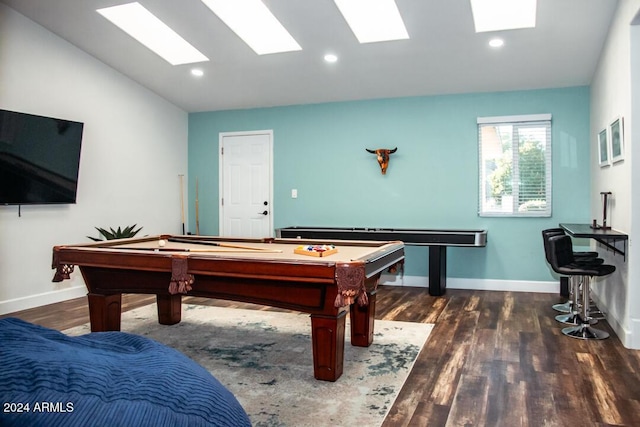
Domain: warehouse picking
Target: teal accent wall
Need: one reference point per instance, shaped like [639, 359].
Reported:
[432, 180]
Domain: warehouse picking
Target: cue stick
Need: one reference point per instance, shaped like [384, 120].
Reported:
[222, 245]
[221, 251]
[182, 201]
[197, 210]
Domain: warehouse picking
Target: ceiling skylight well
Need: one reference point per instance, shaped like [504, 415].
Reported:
[145, 27]
[373, 20]
[254, 23]
[498, 15]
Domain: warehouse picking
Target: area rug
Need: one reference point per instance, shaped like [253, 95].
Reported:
[265, 359]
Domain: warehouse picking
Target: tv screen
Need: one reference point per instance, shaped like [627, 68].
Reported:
[39, 159]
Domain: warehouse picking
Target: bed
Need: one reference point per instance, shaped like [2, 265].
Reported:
[105, 378]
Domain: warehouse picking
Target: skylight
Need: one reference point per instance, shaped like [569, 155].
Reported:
[498, 15]
[254, 23]
[373, 20]
[145, 27]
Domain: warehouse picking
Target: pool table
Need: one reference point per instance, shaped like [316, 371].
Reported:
[262, 271]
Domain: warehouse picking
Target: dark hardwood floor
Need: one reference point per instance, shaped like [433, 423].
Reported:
[493, 359]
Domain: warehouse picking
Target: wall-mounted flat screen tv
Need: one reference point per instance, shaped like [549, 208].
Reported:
[39, 159]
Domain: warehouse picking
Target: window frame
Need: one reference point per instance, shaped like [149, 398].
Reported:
[518, 122]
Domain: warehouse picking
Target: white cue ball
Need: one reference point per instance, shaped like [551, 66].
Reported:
[161, 243]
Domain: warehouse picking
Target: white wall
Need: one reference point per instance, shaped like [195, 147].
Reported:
[634, 134]
[610, 98]
[134, 149]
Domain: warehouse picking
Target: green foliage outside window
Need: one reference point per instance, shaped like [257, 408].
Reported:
[515, 168]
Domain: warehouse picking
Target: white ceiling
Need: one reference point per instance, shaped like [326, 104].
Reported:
[444, 55]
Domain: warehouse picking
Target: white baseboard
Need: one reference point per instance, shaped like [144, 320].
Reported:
[630, 338]
[625, 335]
[25, 303]
[475, 284]
[18, 304]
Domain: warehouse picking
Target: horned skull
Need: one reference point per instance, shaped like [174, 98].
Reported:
[383, 157]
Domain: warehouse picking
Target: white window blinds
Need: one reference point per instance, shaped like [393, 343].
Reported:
[515, 165]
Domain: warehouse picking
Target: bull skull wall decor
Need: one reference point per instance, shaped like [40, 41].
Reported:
[383, 157]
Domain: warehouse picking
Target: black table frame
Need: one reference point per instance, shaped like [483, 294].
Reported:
[436, 240]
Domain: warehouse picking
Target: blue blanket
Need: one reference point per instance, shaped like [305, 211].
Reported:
[105, 379]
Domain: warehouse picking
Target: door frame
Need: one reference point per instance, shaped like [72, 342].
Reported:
[221, 136]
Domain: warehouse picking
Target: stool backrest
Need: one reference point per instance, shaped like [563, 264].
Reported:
[548, 234]
[561, 251]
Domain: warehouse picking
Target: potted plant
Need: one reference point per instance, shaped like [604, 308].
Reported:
[120, 233]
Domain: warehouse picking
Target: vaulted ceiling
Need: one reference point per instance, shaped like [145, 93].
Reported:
[444, 54]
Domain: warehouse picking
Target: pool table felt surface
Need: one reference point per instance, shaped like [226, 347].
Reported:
[277, 250]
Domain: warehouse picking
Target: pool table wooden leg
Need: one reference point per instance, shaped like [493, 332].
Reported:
[105, 312]
[169, 309]
[327, 336]
[362, 320]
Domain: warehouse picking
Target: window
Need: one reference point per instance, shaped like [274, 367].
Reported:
[515, 165]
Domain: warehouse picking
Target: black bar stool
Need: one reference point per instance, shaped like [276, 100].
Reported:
[570, 307]
[563, 262]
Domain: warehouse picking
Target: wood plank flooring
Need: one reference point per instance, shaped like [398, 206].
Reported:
[493, 359]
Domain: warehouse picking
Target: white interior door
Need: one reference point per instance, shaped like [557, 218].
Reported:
[246, 183]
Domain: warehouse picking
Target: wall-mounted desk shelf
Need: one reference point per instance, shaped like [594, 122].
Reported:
[607, 238]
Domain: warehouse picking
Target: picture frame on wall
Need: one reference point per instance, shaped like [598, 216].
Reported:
[603, 148]
[617, 140]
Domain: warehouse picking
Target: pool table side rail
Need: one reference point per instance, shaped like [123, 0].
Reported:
[101, 254]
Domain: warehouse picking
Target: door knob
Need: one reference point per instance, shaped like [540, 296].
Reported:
[264, 213]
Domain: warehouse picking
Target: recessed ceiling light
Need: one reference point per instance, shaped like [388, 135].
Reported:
[498, 15]
[496, 42]
[373, 20]
[143, 26]
[330, 57]
[254, 23]
[197, 72]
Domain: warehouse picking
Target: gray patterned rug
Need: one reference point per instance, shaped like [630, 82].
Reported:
[265, 359]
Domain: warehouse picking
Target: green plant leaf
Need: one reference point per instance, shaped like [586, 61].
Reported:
[129, 230]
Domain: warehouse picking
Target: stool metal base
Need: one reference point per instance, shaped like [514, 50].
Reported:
[574, 319]
[585, 332]
[597, 314]
[566, 307]
[569, 319]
